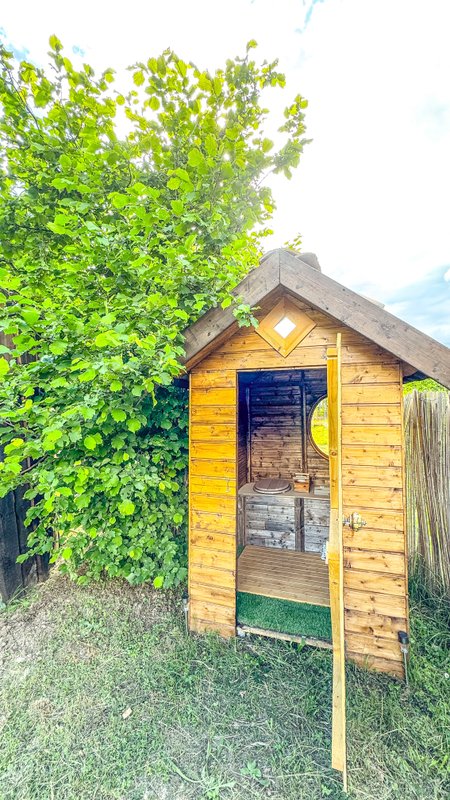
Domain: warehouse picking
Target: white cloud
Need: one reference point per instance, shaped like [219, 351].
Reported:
[371, 195]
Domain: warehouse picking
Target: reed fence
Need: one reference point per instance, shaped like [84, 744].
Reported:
[427, 457]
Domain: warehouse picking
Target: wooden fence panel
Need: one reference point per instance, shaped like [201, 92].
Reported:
[427, 456]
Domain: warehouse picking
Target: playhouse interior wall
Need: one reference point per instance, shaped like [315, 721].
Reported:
[274, 442]
[375, 571]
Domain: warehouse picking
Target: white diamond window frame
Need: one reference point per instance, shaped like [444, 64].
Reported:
[285, 308]
[284, 327]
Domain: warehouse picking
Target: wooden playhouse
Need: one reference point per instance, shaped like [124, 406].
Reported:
[277, 511]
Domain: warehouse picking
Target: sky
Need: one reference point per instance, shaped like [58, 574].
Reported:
[371, 195]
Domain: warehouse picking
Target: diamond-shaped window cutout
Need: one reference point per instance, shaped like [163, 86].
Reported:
[284, 327]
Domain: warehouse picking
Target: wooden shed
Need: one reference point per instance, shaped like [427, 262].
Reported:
[340, 541]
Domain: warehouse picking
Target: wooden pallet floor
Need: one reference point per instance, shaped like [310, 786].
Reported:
[284, 574]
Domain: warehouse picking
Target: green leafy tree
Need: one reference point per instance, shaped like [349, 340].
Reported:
[123, 216]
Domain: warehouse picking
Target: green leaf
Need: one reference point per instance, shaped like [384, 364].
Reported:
[173, 183]
[4, 367]
[90, 442]
[154, 103]
[118, 414]
[177, 207]
[133, 424]
[195, 157]
[31, 316]
[126, 508]
[115, 386]
[139, 78]
[58, 348]
[158, 581]
[67, 553]
[88, 375]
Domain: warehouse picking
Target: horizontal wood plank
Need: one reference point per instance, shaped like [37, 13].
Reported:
[372, 434]
[213, 397]
[213, 414]
[205, 557]
[374, 602]
[382, 520]
[378, 582]
[213, 485]
[213, 594]
[209, 468]
[361, 414]
[219, 432]
[216, 504]
[388, 666]
[201, 610]
[205, 521]
[371, 373]
[373, 497]
[372, 455]
[372, 394]
[213, 450]
[372, 476]
[379, 540]
[213, 540]
[374, 561]
[225, 378]
[211, 576]
[361, 622]
[375, 646]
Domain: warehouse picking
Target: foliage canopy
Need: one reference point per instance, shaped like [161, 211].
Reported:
[123, 216]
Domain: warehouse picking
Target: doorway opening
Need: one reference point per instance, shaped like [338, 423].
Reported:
[283, 502]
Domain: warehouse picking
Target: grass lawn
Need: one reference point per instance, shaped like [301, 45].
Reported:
[104, 697]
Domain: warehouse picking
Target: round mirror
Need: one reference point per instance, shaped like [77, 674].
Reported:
[318, 426]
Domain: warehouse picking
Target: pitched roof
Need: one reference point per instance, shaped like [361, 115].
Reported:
[285, 269]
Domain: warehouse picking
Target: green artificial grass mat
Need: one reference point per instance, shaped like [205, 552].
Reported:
[284, 616]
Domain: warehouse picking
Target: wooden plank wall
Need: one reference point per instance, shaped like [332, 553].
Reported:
[375, 567]
[375, 573]
[212, 501]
